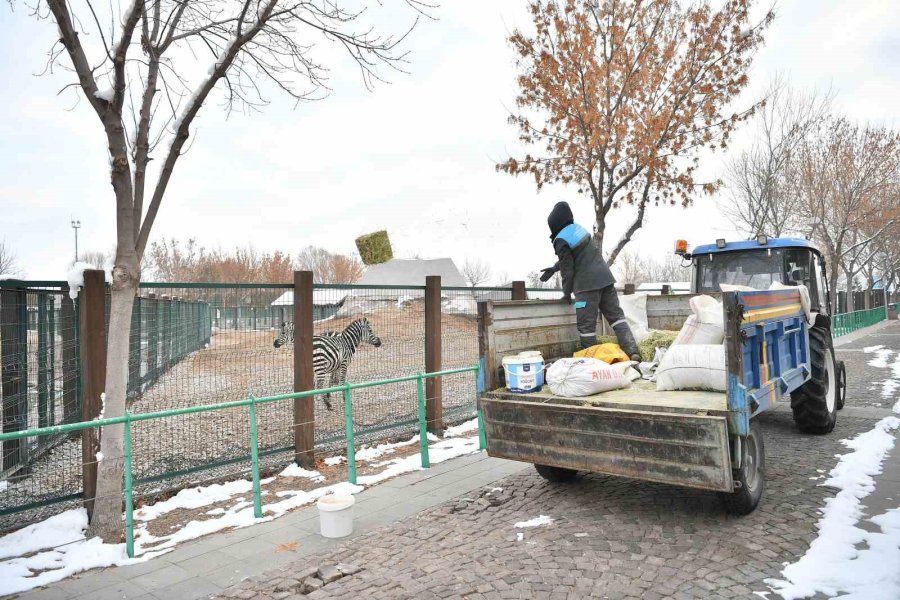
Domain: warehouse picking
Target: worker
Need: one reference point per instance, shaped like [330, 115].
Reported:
[585, 273]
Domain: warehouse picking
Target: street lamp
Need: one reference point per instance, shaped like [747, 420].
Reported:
[75, 226]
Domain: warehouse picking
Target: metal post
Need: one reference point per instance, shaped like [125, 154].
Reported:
[351, 449]
[423, 426]
[129, 496]
[254, 461]
[434, 400]
[482, 440]
[13, 374]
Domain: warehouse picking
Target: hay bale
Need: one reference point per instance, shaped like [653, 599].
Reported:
[374, 248]
[656, 339]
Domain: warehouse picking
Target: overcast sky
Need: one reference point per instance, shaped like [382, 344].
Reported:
[415, 157]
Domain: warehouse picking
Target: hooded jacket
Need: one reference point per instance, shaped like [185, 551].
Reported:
[581, 263]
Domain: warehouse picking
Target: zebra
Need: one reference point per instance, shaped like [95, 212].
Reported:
[333, 351]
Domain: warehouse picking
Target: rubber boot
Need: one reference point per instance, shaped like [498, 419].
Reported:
[626, 341]
[587, 341]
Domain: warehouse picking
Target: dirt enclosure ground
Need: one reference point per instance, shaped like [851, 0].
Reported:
[240, 363]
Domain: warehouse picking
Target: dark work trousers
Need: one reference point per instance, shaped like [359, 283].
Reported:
[603, 301]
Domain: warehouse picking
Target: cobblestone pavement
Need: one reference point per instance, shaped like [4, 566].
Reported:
[875, 380]
[610, 537]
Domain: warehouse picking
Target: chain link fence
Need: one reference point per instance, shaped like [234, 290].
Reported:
[197, 344]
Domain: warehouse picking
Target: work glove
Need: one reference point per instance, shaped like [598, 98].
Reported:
[549, 272]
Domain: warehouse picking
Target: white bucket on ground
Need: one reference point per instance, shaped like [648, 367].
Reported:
[335, 515]
[524, 372]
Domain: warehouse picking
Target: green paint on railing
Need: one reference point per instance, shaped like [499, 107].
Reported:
[482, 440]
[423, 425]
[351, 449]
[254, 461]
[844, 323]
[129, 490]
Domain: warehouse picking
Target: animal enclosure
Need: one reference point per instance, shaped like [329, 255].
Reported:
[200, 344]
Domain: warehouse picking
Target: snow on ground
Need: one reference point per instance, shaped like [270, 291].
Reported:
[844, 557]
[535, 522]
[56, 548]
[462, 428]
[881, 358]
[869, 350]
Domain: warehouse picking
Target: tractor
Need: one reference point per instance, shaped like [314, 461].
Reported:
[758, 264]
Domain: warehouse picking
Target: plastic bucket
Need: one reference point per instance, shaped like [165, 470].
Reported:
[335, 515]
[524, 372]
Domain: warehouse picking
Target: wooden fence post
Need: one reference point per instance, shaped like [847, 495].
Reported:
[518, 290]
[666, 289]
[304, 408]
[69, 366]
[93, 375]
[434, 407]
[14, 373]
[629, 289]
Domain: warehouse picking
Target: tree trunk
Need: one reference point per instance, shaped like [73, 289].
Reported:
[106, 521]
[833, 281]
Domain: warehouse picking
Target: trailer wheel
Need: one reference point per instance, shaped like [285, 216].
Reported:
[842, 385]
[556, 474]
[750, 476]
[815, 402]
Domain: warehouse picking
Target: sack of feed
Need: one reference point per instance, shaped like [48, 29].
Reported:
[692, 367]
[576, 377]
[706, 325]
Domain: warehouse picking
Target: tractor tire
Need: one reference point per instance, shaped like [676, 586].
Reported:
[842, 384]
[815, 402]
[556, 474]
[750, 477]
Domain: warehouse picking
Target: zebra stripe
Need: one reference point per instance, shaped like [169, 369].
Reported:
[332, 351]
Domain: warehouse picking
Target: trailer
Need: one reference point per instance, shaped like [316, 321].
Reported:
[697, 439]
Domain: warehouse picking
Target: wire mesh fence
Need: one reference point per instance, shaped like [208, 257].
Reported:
[198, 344]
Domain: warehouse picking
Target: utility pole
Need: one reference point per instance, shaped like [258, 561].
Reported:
[75, 226]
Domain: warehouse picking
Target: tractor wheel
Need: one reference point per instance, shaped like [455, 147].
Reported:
[750, 476]
[556, 474]
[815, 402]
[842, 384]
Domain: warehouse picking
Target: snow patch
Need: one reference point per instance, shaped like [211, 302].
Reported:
[75, 277]
[462, 428]
[106, 93]
[102, 405]
[335, 460]
[295, 470]
[99, 456]
[195, 498]
[437, 453]
[833, 563]
[869, 350]
[535, 522]
[54, 549]
[370, 453]
[881, 357]
[3, 485]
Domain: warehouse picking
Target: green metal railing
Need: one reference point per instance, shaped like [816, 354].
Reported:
[251, 403]
[844, 323]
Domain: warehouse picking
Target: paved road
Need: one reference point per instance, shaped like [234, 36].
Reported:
[610, 538]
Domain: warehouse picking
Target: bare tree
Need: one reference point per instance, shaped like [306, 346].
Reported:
[845, 180]
[758, 200]
[630, 268]
[533, 280]
[8, 262]
[476, 271]
[328, 267]
[96, 258]
[145, 69]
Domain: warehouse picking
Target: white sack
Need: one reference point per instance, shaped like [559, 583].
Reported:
[635, 308]
[693, 367]
[576, 377]
[705, 326]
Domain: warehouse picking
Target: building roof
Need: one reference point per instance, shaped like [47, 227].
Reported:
[321, 297]
[412, 272]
